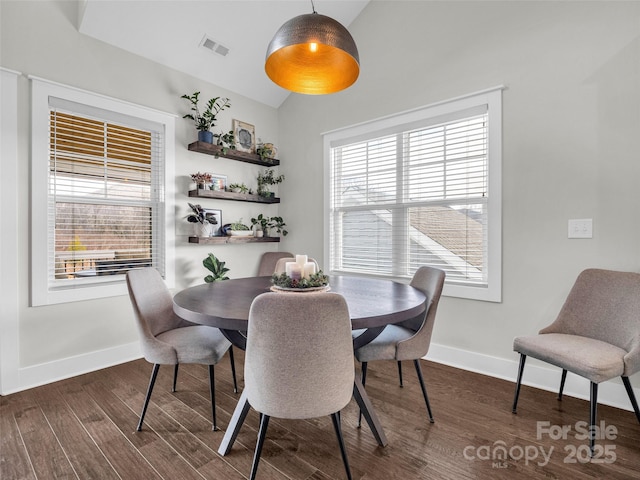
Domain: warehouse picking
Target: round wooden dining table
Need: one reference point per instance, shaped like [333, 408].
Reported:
[372, 304]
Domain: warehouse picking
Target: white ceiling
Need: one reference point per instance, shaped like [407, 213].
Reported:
[170, 32]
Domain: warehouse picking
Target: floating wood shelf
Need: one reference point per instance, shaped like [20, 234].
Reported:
[241, 197]
[228, 239]
[216, 150]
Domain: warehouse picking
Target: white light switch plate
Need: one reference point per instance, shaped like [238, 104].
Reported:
[581, 228]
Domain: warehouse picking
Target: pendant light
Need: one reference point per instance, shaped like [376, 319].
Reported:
[312, 54]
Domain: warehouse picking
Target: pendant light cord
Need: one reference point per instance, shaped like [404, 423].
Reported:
[313, 7]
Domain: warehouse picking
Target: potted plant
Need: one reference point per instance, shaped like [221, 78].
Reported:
[261, 224]
[239, 188]
[202, 220]
[201, 180]
[217, 269]
[266, 151]
[278, 224]
[238, 229]
[265, 180]
[226, 141]
[206, 119]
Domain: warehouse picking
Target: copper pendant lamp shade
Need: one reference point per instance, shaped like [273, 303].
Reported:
[313, 54]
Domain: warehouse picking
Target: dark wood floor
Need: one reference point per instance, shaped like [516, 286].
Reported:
[84, 428]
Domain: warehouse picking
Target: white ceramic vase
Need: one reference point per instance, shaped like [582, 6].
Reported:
[203, 229]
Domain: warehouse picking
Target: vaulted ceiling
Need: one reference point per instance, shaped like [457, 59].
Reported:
[175, 33]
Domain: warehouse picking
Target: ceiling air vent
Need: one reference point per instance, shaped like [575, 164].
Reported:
[214, 46]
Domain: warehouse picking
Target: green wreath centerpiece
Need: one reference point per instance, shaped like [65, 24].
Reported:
[316, 280]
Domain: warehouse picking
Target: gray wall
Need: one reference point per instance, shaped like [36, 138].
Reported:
[571, 137]
[571, 114]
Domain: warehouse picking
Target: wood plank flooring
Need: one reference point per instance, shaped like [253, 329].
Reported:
[84, 428]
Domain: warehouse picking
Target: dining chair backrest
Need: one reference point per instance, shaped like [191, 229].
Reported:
[268, 262]
[429, 281]
[604, 305]
[281, 264]
[153, 308]
[299, 355]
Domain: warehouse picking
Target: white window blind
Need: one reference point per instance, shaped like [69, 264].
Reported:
[105, 187]
[414, 194]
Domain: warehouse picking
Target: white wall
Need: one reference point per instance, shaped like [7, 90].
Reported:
[41, 39]
[571, 114]
[571, 118]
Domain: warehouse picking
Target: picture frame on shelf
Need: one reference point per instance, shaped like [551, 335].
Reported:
[216, 227]
[245, 135]
[218, 182]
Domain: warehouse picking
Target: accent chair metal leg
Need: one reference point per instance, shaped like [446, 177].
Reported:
[336, 425]
[592, 416]
[632, 397]
[264, 423]
[212, 390]
[233, 370]
[175, 377]
[416, 362]
[523, 359]
[363, 378]
[152, 381]
[562, 380]
[400, 372]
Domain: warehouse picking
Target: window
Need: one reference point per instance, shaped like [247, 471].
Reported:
[420, 188]
[99, 198]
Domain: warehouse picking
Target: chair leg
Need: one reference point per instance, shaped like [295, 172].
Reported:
[523, 358]
[363, 378]
[233, 370]
[336, 425]
[632, 397]
[264, 423]
[212, 390]
[152, 381]
[400, 372]
[562, 380]
[175, 377]
[424, 389]
[592, 416]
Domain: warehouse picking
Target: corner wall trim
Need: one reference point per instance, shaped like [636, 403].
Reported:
[44, 373]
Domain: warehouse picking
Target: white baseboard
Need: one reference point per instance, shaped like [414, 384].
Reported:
[37, 375]
[546, 378]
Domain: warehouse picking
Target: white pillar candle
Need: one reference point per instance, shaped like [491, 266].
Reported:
[288, 266]
[301, 260]
[309, 269]
[296, 271]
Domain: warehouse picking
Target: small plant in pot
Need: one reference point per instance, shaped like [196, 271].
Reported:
[266, 180]
[265, 224]
[203, 220]
[266, 151]
[238, 188]
[201, 180]
[205, 120]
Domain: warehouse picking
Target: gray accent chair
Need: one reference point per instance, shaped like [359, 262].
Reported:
[167, 339]
[408, 340]
[268, 262]
[281, 264]
[596, 335]
[299, 360]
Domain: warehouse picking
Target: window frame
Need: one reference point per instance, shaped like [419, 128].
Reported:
[41, 92]
[492, 99]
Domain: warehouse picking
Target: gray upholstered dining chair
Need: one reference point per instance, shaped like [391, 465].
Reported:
[281, 264]
[596, 335]
[268, 262]
[299, 360]
[167, 339]
[408, 340]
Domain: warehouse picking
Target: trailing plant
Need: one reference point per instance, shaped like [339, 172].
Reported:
[206, 119]
[227, 141]
[216, 267]
[266, 178]
[278, 224]
[267, 223]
